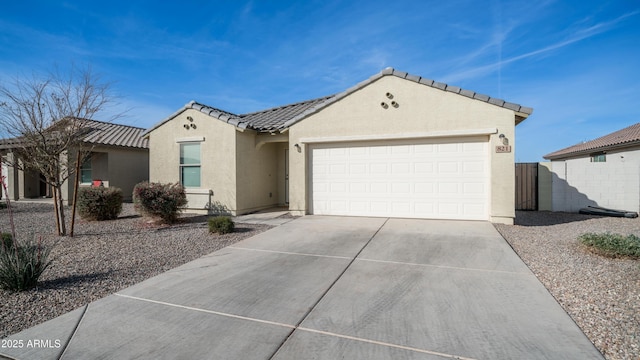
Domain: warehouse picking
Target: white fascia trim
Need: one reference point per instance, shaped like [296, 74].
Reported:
[199, 191]
[190, 139]
[433, 134]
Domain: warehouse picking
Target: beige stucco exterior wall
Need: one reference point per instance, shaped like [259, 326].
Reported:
[4, 172]
[119, 167]
[282, 153]
[100, 162]
[257, 173]
[421, 109]
[11, 177]
[217, 154]
[126, 168]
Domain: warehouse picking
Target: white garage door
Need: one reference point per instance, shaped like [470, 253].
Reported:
[437, 179]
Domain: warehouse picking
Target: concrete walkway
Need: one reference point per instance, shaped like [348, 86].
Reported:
[329, 288]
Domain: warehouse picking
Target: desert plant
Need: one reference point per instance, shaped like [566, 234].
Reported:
[7, 241]
[612, 245]
[99, 203]
[217, 208]
[221, 225]
[164, 201]
[22, 265]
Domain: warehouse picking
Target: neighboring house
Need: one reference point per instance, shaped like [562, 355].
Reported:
[119, 158]
[603, 172]
[395, 145]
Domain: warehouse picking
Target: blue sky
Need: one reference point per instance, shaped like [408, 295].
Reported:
[577, 63]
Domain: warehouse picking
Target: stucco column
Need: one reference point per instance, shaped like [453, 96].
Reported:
[12, 178]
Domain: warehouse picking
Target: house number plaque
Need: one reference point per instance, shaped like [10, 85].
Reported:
[503, 148]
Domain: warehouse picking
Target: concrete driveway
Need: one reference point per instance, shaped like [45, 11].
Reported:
[330, 288]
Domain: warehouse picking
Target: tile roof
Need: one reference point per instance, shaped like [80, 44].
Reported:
[102, 133]
[273, 119]
[625, 137]
[282, 117]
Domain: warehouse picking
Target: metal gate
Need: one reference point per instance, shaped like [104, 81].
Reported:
[527, 186]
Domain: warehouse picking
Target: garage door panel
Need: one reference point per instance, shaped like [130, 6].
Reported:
[431, 180]
[423, 168]
[423, 148]
[450, 167]
[448, 188]
[400, 149]
[450, 148]
[424, 209]
[356, 188]
[473, 147]
[475, 167]
[400, 168]
[471, 189]
[401, 189]
[423, 188]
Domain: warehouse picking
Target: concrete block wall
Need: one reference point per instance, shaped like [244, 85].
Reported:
[577, 183]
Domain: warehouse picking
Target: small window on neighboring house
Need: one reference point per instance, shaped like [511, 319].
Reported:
[598, 158]
[85, 171]
[190, 164]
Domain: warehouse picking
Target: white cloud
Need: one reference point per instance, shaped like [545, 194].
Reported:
[573, 37]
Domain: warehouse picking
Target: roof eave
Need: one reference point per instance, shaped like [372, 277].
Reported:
[230, 119]
[521, 112]
[569, 155]
[167, 119]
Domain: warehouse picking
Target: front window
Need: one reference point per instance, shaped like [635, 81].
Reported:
[85, 171]
[598, 157]
[190, 164]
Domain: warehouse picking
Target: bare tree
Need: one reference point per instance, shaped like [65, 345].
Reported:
[45, 121]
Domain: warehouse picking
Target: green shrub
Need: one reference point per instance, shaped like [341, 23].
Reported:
[22, 265]
[612, 245]
[221, 225]
[163, 201]
[3, 205]
[99, 203]
[6, 241]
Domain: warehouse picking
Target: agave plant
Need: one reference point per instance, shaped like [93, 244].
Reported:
[21, 262]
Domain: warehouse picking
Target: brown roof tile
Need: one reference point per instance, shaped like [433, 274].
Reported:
[102, 133]
[627, 136]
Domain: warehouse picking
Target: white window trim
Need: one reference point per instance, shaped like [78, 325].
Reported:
[190, 139]
[199, 165]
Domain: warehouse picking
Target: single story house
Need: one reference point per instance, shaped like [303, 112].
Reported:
[602, 172]
[394, 145]
[119, 158]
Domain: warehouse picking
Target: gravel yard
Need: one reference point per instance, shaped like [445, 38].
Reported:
[602, 295]
[101, 259]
